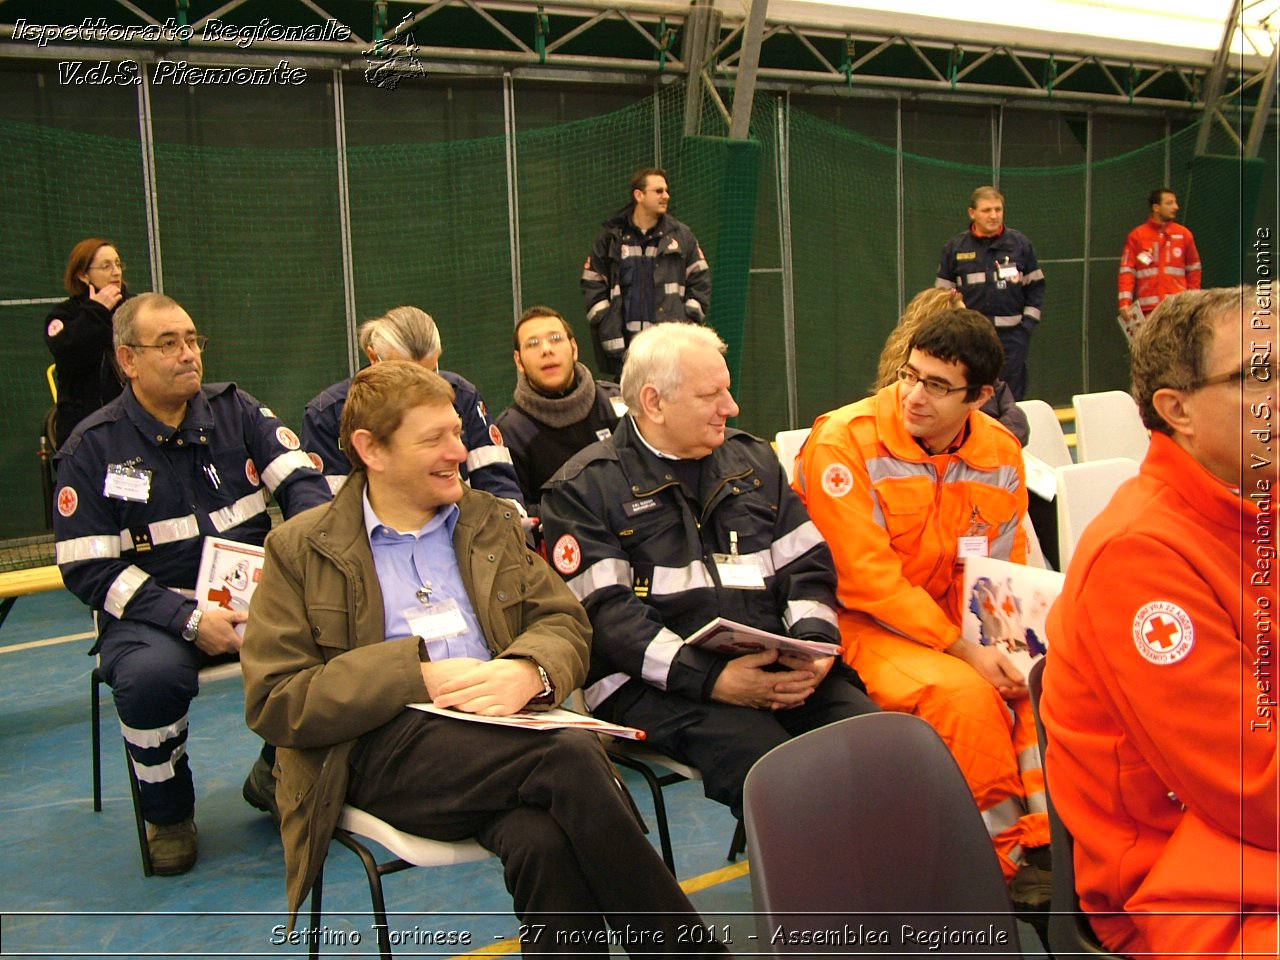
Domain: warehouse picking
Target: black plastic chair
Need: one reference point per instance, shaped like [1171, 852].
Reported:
[1069, 929]
[647, 762]
[864, 835]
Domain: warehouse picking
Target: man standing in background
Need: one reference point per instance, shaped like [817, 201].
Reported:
[645, 267]
[1159, 260]
[996, 272]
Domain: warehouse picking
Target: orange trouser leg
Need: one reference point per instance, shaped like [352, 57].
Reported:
[995, 746]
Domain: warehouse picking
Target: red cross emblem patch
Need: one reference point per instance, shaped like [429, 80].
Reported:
[288, 439]
[1163, 633]
[837, 480]
[68, 500]
[567, 555]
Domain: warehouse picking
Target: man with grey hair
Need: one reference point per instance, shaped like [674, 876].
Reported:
[141, 483]
[1169, 602]
[995, 269]
[409, 333]
[678, 519]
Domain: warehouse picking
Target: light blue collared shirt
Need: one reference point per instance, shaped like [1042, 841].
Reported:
[407, 563]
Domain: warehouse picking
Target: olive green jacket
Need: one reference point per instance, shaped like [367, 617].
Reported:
[319, 672]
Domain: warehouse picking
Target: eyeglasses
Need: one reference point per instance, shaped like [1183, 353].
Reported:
[1255, 378]
[108, 264]
[935, 388]
[553, 339]
[171, 347]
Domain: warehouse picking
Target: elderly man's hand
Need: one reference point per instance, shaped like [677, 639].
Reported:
[217, 631]
[745, 683]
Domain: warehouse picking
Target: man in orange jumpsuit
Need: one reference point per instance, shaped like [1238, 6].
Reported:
[904, 485]
[1160, 687]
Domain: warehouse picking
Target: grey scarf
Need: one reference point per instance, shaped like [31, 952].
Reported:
[563, 410]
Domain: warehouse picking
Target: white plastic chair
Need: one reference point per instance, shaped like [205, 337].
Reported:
[408, 850]
[1084, 489]
[1047, 440]
[1108, 425]
[789, 443]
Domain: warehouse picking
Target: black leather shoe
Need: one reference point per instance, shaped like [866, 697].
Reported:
[260, 789]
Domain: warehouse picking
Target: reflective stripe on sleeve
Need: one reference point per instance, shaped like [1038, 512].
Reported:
[974, 278]
[87, 548]
[597, 307]
[609, 572]
[593, 276]
[795, 544]
[1012, 321]
[798, 610]
[1034, 276]
[673, 288]
[944, 283]
[123, 588]
[486, 456]
[614, 346]
[243, 509]
[603, 689]
[279, 469]
[658, 655]
[1033, 312]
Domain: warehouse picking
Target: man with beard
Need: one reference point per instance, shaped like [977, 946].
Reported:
[559, 407]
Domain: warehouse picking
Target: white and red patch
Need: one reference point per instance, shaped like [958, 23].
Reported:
[495, 435]
[288, 439]
[68, 500]
[1163, 633]
[567, 555]
[837, 480]
[316, 461]
[55, 327]
[251, 472]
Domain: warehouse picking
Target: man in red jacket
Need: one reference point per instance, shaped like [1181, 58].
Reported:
[1159, 690]
[1159, 260]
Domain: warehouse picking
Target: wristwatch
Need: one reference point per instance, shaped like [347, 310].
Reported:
[192, 626]
[548, 688]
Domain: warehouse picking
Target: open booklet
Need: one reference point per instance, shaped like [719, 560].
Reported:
[556, 719]
[229, 573]
[731, 639]
[1006, 605]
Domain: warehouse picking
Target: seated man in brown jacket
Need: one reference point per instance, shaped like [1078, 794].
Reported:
[411, 587]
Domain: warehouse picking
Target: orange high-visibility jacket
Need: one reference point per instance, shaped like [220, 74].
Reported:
[1159, 702]
[894, 514]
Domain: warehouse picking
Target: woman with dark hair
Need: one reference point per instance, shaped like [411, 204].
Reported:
[78, 333]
